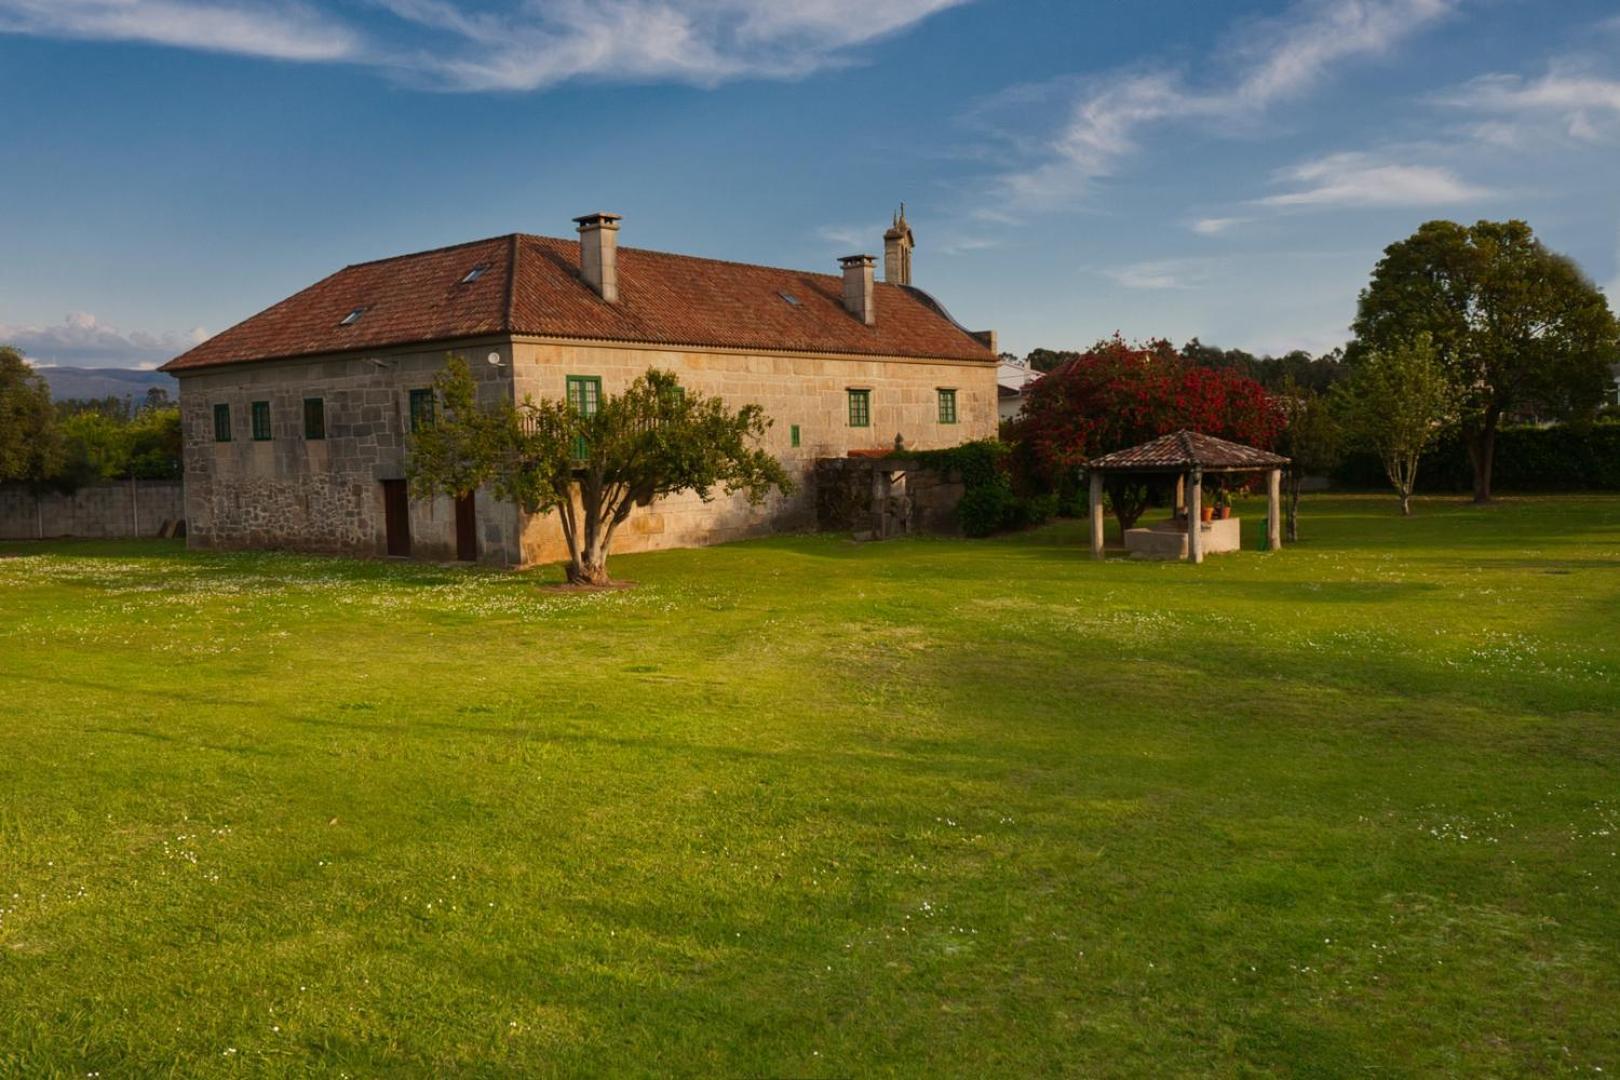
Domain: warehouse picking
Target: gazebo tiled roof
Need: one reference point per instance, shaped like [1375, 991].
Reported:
[1183, 450]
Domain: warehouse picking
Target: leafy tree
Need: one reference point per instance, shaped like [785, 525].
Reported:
[653, 440]
[1512, 323]
[1398, 403]
[104, 441]
[30, 449]
[1116, 395]
[1311, 442]
[1048, 359]
[1315, 373]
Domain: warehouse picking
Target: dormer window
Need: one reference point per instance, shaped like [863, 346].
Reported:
[352, 317]
[475, 273]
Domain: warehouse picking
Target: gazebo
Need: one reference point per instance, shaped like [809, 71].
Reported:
[1188, 456]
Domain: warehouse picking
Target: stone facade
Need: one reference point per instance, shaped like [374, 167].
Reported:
[327, 495]
[116, 509]
[809, 392]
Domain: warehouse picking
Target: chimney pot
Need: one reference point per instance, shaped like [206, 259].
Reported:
[858, 298]
[599, 253]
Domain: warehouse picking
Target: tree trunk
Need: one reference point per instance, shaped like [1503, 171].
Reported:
[1482, 453]
[1295, 481]
[1406, 504]
[589, 569]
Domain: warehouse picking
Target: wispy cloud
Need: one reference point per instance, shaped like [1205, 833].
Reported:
[1357, 179]
[1215, 226]
[1184, 273]
[1269, 62]
[280, 31]
[81, 338]
[853, 239]
[514, 46]
[1583, 102]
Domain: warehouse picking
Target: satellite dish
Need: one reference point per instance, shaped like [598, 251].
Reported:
[494, 359]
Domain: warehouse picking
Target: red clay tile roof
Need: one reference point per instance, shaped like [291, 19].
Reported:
[531, 285]
[1183, 450]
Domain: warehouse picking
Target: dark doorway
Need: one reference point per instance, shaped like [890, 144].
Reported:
[466, 529]
[397, 515]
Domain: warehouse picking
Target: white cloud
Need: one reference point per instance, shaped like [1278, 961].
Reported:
[1215, 226]
[1188, 273]
[1271, 61]
[82, 339]
[1353, 180]
[281, 31]
[1583, 104]
[515, 45]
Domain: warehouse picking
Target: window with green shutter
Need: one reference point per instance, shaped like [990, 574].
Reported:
[947, 406]
[793, 434]
[222, 423]
[261, 421]
[860, 408]
[585, 395]
[314, 418]
[421, 408]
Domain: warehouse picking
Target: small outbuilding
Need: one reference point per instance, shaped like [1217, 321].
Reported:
[1187, 456]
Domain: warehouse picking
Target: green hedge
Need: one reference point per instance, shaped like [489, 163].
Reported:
[1562, 458]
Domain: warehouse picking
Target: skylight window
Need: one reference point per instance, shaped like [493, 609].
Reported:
[789, 297]
[475, 273]
[352, 317]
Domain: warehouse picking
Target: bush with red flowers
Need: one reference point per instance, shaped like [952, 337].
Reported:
[1119, 394]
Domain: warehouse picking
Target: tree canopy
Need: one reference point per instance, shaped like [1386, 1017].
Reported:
[30, 449]
[592, 468]
[1513, 324]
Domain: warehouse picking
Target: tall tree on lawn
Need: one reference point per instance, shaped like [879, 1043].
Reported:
[1513, 324]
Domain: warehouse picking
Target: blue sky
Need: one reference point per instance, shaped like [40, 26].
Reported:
[1072, 167]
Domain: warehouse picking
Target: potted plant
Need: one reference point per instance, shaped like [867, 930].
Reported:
[1206, 512]
[1223, 504]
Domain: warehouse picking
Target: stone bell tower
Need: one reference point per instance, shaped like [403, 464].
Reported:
[897, 245]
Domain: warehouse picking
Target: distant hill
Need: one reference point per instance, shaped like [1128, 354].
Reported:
[77, 382]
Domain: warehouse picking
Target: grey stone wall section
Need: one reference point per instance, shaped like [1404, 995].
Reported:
[878, 498]
[118, 509]
[325, 495]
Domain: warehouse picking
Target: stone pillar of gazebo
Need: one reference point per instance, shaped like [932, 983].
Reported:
[1274, 510]
[1195, 514]
[1178, 505]
[1096, 515]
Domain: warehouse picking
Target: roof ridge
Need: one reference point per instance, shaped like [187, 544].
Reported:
[508, 318]
[432, 250]
[721, 262]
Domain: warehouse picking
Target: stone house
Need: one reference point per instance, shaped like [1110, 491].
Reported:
[296, 421]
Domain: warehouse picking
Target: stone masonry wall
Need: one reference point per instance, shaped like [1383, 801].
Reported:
[326, 494]
[116, 509]
[808, 391]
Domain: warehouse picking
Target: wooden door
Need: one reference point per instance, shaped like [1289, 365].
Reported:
[397, 515]
[466, 529]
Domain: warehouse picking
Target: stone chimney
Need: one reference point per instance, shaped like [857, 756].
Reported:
[858, 287]
[599, 253]
[897, 245]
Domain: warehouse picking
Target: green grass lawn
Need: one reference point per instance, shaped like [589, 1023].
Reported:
[815, 808]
